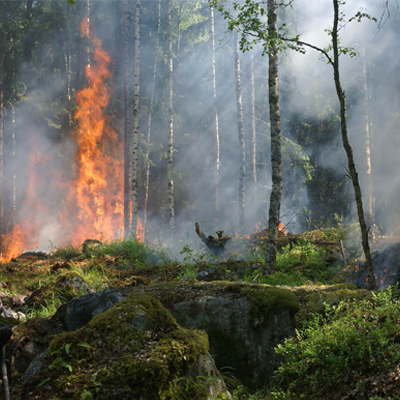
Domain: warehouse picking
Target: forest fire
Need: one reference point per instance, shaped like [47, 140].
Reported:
[92, 202]
[93, 207]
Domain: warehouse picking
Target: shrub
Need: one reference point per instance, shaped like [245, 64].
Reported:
[338, 353]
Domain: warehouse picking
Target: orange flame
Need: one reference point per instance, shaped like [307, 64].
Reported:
[25, 235]
[139, 230]
[92, 206]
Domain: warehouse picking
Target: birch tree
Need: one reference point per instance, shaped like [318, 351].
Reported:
[147, 158]
[368, 134]
[215, 119]
[242, 167]
[254, 131]
[135, 142]
[2, 48]
[127, 125]
[171, 193]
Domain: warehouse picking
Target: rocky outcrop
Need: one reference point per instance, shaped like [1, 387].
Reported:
[243, 322]
[135, 350]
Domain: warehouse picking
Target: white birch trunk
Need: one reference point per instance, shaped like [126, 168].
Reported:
[367, 124]
[127, 126]
[147, 173]
[254, 131]
[242, 168]
[135, 143]
[171, 193]
[216, 127]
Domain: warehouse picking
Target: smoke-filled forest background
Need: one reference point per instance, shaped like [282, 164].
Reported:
[48, 195]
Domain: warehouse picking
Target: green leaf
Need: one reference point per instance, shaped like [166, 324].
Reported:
[71, 2]
[66, 365]
[84, 344]
[43, 382]
[55, 362]
[67, 347]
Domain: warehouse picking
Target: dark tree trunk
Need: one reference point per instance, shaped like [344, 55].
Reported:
[348, 149]
[276, 162]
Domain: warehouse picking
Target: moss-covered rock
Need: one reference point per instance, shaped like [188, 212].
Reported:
[135, 350]
[244, 322]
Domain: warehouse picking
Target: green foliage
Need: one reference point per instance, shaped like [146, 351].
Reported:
[340, 350]
[192, 262]
[297, 264]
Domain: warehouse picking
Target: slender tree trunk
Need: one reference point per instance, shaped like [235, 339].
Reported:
[67, 60]
[242, 168]
[349, 151]
[254, 132]
[216, 128]
[135, 144]
[276, 160]
[14, 173]
[370, 196]
[171, 192]
[147, 173]
[2, 47]
[127, 125]
[88, 36]
[178, 36]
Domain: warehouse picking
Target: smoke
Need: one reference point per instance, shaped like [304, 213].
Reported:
[309, 110]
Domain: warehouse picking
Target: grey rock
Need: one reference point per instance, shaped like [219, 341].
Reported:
[34, 367]
[82, 310]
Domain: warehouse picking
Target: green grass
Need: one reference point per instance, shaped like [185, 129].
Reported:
[296, 265]
[130, 252]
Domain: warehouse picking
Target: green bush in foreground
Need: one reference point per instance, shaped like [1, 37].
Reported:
[352, 351]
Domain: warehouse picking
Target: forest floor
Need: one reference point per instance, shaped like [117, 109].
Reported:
[347, 343]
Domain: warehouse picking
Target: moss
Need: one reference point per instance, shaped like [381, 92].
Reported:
[134, 348]
[315, 301]
[264, 302]
[11, 322]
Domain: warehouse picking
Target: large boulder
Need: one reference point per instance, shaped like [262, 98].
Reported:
[244, 322]
[135, 350]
